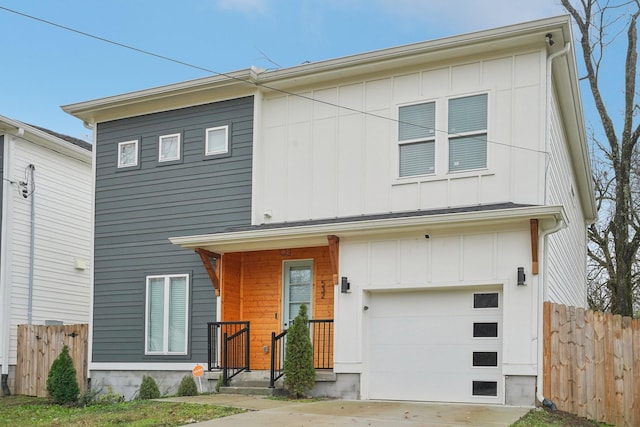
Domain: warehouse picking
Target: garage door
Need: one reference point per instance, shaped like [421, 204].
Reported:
[435, 346]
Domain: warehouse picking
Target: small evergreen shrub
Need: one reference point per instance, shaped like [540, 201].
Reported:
[62, 384]
[187, 386]
[148, 389]
[110, 397]
[299, 373]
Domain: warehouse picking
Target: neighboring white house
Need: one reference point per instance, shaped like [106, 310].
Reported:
[443, 187]
[45, 250]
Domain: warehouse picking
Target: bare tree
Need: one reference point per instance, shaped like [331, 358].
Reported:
[615, 238]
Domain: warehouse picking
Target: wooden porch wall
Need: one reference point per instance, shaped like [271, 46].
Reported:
[251, 290]
[39, 346]
[592, 364]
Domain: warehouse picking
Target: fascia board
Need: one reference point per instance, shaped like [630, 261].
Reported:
[192, 92]
[316, 235]
[44, 139]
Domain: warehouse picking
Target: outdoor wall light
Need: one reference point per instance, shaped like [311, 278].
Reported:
[345, 285]
[521, 276]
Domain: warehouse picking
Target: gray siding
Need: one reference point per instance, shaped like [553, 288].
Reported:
[138, 209]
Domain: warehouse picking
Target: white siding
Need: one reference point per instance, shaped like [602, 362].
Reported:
[566, 269]
[322, 161]
[472, 258]
[62, 235]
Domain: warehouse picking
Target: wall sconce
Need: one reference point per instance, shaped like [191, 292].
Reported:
[345, 285]
[521, 276]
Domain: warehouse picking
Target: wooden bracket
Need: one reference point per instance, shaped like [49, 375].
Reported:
[333, 254]
[533, 223]
[212, 270]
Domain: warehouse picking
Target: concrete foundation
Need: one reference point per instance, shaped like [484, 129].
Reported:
[339, 386]
[128, 383]
[520, 390]
[8, 382]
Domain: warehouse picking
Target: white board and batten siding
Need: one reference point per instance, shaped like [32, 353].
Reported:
[566, 274]
[389, 276]
[63, 186]
[322, 161]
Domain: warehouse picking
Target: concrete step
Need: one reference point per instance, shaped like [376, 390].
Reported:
[252, 391]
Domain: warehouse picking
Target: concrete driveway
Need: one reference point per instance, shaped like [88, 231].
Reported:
[266, 412]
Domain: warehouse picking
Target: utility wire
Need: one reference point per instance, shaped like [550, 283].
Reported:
[251, 83]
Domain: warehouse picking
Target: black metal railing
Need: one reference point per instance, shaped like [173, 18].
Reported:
[322, 342]
[277, 351]
[235, 354]
[228, 347]
[321, 331]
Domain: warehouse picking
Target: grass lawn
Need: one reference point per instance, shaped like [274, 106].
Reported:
[32, 411]
[546, 418]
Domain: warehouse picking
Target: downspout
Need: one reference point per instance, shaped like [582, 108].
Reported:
[30, 190]
[92, 128]
[6, 262]
[543, 292]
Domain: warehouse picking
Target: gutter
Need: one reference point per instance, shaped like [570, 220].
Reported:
[543, 291]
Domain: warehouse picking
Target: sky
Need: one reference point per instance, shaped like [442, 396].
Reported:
[44, 66]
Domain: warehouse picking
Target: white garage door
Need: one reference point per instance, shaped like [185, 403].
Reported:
[435, 346]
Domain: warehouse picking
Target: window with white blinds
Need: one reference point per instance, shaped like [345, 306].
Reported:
[468, 133]
[416, 136]
[166, 317]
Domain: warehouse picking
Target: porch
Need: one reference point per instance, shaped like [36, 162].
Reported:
[260, 293]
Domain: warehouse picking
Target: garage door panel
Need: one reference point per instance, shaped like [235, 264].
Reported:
[422, 344]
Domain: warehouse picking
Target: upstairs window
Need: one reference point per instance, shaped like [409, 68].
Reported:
[416, 139]
[468, 133]
[217, 140]
[166, 317]
[169, 148]
[127, 154]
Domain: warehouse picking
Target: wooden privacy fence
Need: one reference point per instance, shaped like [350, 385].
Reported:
[592, 364]
[39, 346]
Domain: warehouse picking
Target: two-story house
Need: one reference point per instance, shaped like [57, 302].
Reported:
[45, 233]
[422, 200]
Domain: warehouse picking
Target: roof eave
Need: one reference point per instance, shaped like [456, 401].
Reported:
[316, 235]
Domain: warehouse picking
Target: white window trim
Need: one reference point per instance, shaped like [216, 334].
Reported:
[226, 141]
[165, 337]
[455, 135]
[417, 140]
[161, 140]
[120, 145]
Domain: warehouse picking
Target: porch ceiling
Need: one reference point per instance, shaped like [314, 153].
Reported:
[314, 233]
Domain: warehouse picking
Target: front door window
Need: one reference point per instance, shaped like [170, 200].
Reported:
[298, 285]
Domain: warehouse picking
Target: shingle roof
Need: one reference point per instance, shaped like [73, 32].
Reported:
[75, 141]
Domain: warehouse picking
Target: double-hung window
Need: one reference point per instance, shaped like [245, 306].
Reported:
[416, 139]
[127, 154]
[166, 317]
[169, 148]
[468, 133]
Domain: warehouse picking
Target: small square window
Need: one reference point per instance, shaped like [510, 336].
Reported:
[485, 388]
[217, 141]
[127, 154]
[169, 148]
[485, 330]
[485, 358]
[486, 300]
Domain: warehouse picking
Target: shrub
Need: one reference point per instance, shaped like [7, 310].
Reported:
[62, 384]
[187, 386]
[299, 374]
[148, 389]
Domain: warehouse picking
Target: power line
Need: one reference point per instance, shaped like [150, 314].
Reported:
[251, 83]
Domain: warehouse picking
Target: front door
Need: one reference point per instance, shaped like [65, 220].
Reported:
[298, 289]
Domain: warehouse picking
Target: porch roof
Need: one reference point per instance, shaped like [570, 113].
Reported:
[314, 232]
